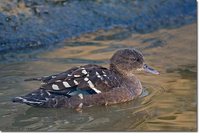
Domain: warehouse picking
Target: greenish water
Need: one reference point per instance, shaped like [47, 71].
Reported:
[169, 101]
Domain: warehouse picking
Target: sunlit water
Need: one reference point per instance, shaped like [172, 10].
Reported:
[168, 103]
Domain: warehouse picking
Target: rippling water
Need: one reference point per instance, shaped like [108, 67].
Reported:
[168, 103]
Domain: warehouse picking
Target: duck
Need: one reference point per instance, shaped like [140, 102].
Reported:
[91, 85]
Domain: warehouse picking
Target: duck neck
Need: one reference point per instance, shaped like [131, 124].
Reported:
[131, 81]
[122, 73]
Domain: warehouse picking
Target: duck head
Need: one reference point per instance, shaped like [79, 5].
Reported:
[126, 61]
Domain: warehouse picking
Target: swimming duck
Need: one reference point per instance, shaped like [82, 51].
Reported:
[90, 84]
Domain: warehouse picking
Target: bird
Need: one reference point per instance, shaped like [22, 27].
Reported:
[91, 85]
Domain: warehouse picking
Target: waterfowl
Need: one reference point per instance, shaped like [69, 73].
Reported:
[90, 84]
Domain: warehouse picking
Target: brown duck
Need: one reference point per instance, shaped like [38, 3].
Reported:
[91, 85]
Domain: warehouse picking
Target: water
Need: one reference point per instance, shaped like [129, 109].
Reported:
[168, 103]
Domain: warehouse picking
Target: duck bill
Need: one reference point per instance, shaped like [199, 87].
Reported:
[150, 70]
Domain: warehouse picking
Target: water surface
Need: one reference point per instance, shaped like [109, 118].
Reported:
[169, 101]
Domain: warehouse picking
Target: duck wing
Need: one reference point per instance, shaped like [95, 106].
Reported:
[88, 79]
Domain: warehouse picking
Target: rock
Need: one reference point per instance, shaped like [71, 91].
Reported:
[25, 22]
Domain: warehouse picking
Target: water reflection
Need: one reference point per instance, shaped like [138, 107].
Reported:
[168, 103]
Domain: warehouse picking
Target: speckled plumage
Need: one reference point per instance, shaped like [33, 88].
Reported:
[90, 85]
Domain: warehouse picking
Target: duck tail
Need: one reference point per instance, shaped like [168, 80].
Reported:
[28, 101]
[37, 98]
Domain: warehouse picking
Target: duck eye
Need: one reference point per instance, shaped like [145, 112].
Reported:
[137, 59]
